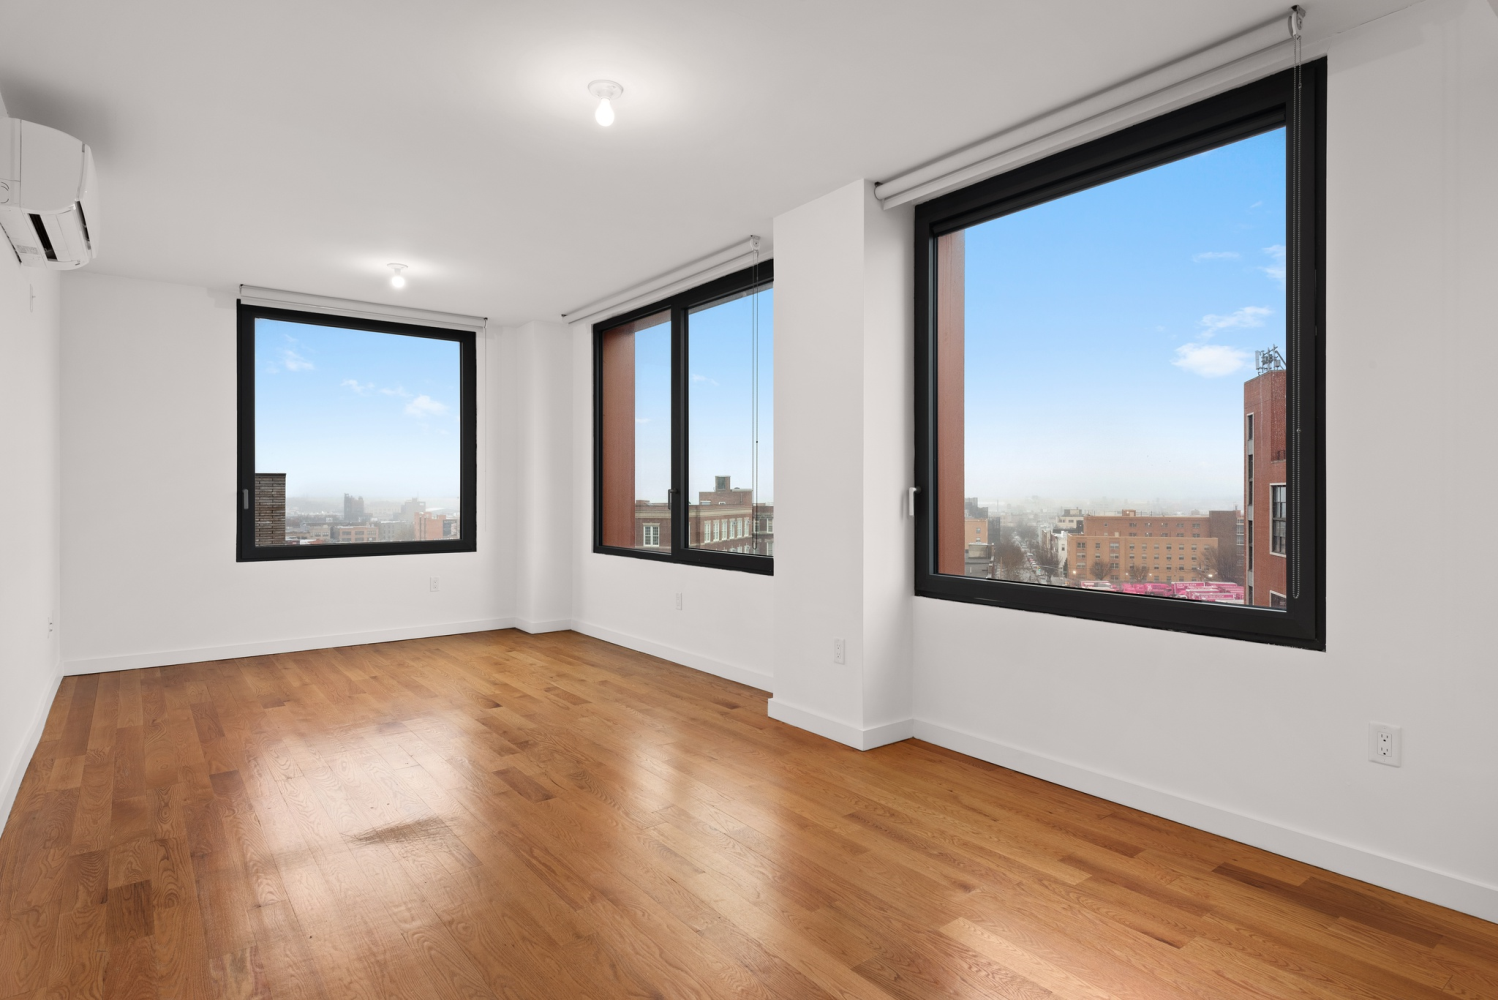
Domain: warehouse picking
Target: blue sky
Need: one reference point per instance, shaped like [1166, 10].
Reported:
[1109, 333]
[349, 411]
[720, 399]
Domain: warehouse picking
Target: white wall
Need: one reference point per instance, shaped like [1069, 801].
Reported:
[149, 494]
[1268, 744]
[725, 625]
[542, 423]
[29, 451]
[842, 463]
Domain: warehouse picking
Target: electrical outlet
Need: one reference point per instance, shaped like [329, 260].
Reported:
[51, 622]
[432, 584]
[1385, 744]
[678, 600]
[839, 651]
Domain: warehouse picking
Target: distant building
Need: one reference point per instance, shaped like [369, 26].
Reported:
[978, 560]
[396, 531]
[652, 525]
[427, 527]
[1265, 485]
[724, 519]
[1227, 527]
[412, 507]
[270, 508]
[1070, 519]
[355, 534]
[975, 529]
[353, 509]
[1153, 548]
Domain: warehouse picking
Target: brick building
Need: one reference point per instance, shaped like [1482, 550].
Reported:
[1265, 485]
[354, 534]
[270, 508]
[724, 519]
[1149, 548]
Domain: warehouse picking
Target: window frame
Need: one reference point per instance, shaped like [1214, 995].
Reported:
[467, 540]
[1246, 111]
[753, 278]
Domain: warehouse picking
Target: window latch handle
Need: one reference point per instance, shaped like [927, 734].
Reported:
[910, 499]
[246, 499]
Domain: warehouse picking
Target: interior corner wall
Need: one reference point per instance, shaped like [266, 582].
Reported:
[29, 455]
[725, 623]
[542, 419]
[149, 490]
[1266, 744]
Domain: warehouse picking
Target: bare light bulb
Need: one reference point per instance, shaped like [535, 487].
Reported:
[397, 280]
[606, 91]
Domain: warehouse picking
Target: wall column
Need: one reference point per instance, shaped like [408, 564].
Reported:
[843, 463]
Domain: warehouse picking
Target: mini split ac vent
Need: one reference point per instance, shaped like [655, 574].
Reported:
[48, 195]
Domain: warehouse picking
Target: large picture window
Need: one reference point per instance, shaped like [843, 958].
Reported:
[1119, 350]
[356, 437]
[683, 433]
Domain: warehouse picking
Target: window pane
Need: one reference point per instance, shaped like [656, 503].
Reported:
[635, 426]
[730, 426]
[357, 436]
[1108, 368]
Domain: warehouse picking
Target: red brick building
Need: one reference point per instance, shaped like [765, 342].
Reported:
[723, 519]
[1151, 548]
[1265, 486]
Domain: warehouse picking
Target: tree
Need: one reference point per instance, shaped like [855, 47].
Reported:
[1139, 572]
[1099, 569]
[1047, 561]
[1011, 557]
[1223, 562]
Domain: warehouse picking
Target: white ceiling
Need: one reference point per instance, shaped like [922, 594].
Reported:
[305, 145]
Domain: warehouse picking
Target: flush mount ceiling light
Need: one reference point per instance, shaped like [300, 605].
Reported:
[605, 91]
[397, 280]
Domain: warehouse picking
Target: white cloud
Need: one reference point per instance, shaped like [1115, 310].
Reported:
[642, 420]
[1277, 269]
[1248, 316]
[294, 362]
[704, 378]
[425, 406]
[355, 385]
[399, 390]
[1210, 360]
[1215, 255]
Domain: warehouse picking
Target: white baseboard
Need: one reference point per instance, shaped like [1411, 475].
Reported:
[842, 732]
[1412, 879]
[18, 764]
[728, 671]
[535, 628]
[132, 661]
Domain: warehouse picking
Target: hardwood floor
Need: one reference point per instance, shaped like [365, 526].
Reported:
[552, 816]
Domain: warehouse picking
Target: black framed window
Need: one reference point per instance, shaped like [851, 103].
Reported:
[684, 426]
[356, 437]
[1107, 339]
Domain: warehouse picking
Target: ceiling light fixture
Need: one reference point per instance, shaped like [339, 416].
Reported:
[605, 91]
[397, 280]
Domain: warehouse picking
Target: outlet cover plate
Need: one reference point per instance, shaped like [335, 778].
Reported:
[1385, 744]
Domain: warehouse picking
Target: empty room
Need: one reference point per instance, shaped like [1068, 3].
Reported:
[789, 501]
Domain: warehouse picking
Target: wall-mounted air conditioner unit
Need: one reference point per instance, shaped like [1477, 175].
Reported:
[49, 204]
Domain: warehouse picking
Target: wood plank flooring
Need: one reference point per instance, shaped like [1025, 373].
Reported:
[505, 815]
